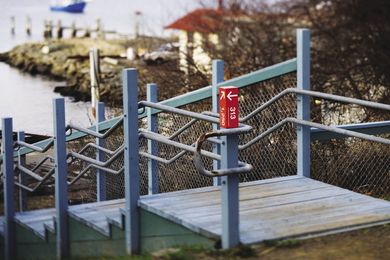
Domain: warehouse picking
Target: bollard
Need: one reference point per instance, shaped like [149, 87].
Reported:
[151, 94]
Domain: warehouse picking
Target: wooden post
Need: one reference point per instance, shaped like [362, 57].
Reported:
[22, 176]
[151, 94]
[230, 193]
[94, 66]
[73, 32]
[9, 189]
[61, 185]
[50, 29]
[13, 30]
[59, 30]
[100, 155]
[217, 77]
[131, 160]
[28, 25]
[303, 102]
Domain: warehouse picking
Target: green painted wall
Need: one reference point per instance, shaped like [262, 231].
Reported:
[30, 246]
[156, 233]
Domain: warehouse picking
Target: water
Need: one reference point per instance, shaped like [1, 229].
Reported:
[28, 99]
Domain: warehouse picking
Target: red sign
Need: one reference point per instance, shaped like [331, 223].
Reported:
[228, 107]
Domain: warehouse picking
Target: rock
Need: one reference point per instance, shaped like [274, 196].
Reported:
[57, 62]
[4, 57]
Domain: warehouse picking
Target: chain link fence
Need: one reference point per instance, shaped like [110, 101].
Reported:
[350, 163]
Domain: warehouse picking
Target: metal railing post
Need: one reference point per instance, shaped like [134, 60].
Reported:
[151, 94]
[303, 102]
[9, 189]
[131, 159]
[61, 185]
[22, 177]
[217, 77]
[100, 155]
[230, 193]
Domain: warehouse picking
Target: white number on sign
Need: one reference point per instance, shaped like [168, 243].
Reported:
[232, 113]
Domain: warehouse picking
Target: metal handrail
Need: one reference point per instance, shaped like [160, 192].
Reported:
[316, 125]
[95, 133]
[317, 94]
[242, 167]
[92, 162]
[37, 148]
[84, 158]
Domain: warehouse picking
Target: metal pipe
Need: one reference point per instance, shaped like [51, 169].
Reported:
[180, 111]
[318, 95]
[96, 162]
[164, 140]
[316, 125]
[95, 133]
[242, 167]
[36, 148]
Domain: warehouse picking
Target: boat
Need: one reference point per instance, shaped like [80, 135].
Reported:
[70, 6]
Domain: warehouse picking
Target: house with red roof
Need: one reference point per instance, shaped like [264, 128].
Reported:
[196, 29]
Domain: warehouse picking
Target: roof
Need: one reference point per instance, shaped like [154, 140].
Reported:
[200, 20]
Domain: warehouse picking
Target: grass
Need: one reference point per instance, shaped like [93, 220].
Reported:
[371, 243]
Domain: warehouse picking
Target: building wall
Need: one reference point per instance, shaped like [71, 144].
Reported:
[191, 45]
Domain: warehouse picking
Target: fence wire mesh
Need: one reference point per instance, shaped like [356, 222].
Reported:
[354, 164]
[350, 163]
[275, 155]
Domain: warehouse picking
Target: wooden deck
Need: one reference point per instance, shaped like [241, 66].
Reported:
[275, 208]
[269, 209]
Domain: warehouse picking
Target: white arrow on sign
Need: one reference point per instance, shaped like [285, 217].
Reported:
[222, 96]
[230, 96]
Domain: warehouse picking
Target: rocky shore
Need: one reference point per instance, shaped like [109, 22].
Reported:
[67, 60]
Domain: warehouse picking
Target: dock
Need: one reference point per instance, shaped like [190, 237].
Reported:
[165, 175]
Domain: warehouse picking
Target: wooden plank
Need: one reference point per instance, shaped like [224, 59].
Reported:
[246, 193]
[35, 220]
[263, 213]
[302, 213]
[215, 191]
[285, 199]
[200, 212]
[212, 188]
[302, 209]
[97, 218]
[322, 224]
[96, 204]
[116, 221]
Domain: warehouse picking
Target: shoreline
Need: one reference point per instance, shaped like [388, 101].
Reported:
[67, 60]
